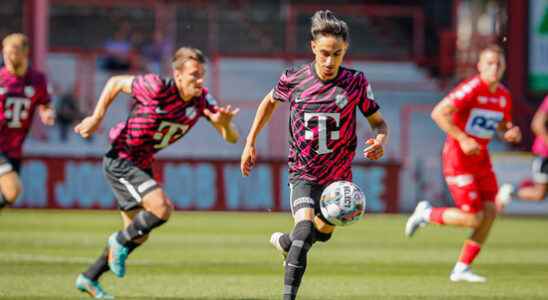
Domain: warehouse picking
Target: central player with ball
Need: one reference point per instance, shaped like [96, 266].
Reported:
[323, 98]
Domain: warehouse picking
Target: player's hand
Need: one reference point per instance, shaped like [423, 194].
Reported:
[469, 146]
[374, 151]
[512, 135]
[248, 159]
[223, 116]
[88, 126]
[47, 115]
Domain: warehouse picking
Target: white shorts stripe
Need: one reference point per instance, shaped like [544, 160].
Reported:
[459, 180]
[146, 185]
[131, 189]
[291, 199]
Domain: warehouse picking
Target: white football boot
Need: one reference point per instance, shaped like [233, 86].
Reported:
[275, 241]
[462, 272]
[418, 219]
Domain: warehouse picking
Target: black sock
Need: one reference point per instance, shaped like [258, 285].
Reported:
[285, 239]
[99, 267]
[320, 236]
[285, 242]
[303, 237]
[142, 224]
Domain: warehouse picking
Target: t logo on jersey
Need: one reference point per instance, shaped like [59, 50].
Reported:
[16, 110]
[174, 131]
[483, 123]
[322, 129]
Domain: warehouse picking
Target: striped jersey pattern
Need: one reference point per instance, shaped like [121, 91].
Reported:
[158, 118]
[322, 122]
[19, 97]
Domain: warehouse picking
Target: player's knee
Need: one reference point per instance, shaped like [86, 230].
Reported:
[303, 231]
[11, 194]
[160, 206]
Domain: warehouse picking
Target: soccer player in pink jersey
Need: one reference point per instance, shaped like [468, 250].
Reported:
[537, 191]
[471, 115]
[164, 110]
[323, 97]
[23, 90]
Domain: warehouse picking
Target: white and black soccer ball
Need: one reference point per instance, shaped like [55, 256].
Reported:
[342, 203]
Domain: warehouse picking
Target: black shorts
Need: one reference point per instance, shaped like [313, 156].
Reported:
[540, 170]
[305, 194]
[129, 183]
[8, 164]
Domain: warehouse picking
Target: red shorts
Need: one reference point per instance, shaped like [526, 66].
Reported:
[470, 179]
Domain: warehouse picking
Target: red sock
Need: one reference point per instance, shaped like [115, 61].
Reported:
[436, 215]
[469, 251]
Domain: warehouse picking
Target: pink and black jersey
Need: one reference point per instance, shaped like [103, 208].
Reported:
[158, 118]
[19, 97]
[322, 122]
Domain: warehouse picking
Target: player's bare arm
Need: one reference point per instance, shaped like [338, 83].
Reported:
[375, 150]
[114, 86]
[222, 121]
[510, 132]
[538, 125]
[264, 113]
[47, 114]
[441, 114]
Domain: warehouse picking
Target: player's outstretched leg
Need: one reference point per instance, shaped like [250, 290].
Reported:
[91, 287]
[156, 211]
[472, 247]
[462, 270]
[419, 218]
[302, 240]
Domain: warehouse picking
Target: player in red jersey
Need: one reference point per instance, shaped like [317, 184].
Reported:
[471, 115]
[164, 110]
[538, 190]
[23, 90]
[323, 97]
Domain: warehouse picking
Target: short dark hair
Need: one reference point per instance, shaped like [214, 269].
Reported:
[324, 22]
[186, 53]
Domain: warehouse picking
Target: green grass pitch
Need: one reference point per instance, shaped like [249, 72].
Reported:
[227, 256]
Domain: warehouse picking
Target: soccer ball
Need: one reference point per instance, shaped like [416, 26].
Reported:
[342, 203]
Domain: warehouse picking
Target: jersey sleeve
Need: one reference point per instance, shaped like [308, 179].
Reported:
[463, 96]
[42, 91]
[367, 104]
[210, 103]
[146, 88]
[284, 87]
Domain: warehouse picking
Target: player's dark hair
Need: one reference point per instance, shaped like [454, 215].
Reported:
[324, 22]
[186, 53]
